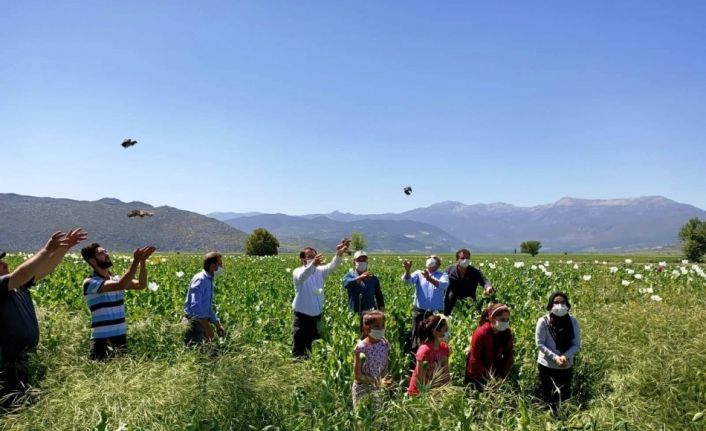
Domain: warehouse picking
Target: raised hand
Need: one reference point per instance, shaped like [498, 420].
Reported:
[149, 250]
[318, 259]
[427, 275]
[343, 246]
[143, 253]
[407, 265]
[74, 237]
[55, 241]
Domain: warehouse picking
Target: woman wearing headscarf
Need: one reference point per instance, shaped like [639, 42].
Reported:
[491, 353]
[558, 338]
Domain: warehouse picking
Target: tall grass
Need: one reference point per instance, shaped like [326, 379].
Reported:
[642, 365]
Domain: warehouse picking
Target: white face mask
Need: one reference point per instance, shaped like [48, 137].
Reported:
[377, 334]
[431, 264]
[560, 310]
[309, 262]
[218, 271]
[446, 336]
[501, 326]
[463, 263]
[361, 266]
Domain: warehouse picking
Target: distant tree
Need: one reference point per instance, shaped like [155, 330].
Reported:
[261, 243]
[531, 247]
[693, 237]
[358, 241]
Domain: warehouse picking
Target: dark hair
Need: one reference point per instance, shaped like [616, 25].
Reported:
[370, 317]
[490, 311]
[426, 327]
[209, 258]
[465, 251]
[89, 252]
[550, 304]
[302, 253]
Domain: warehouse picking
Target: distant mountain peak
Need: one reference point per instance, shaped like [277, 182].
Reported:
[569, 201]
[110, 201]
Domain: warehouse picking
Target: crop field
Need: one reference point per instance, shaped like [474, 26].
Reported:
[642, 365]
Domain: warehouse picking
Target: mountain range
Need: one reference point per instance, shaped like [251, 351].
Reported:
[26, 222]
[568, 225]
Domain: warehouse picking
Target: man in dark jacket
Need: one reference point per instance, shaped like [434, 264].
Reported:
[464, 280]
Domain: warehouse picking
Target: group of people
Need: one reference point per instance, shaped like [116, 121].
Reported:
[437, 291]
[436, 294]
[104, 293]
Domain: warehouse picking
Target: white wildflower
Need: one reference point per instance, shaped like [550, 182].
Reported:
[586, 277]
[656, 298]
[613, 269]
[179, 274]
[628, 261]
[625, 283]
[519, 264]
[152, 286]
[638, 276]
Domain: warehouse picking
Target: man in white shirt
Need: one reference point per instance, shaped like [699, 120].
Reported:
[309, 296]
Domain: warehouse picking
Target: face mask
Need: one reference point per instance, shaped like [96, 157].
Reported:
[105, 264]
[501, 326]
[309, 262]
[560, 310]
[463, 263]
[377, 334]
[361, 266]
[446, 336]
[218, 271]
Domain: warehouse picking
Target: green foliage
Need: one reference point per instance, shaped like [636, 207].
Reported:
[531, 247]
[358, 241]
[693, 237]
[261, 243]
[638, 367]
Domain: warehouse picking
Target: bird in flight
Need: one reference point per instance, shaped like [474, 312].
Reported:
[127, 143]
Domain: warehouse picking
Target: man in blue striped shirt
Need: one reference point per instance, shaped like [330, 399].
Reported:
[198, 306]
[104, 293]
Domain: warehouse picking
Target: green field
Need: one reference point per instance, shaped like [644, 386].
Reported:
[642, 365]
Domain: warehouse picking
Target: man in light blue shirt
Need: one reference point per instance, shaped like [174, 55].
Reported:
[429, 293]
[198, 306]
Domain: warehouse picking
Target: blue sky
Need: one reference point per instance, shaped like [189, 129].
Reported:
[303, 107]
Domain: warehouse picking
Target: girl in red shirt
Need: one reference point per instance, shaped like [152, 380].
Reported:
[432, 368]
[491, 352]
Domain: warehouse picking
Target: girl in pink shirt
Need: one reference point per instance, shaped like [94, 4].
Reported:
[432, 368]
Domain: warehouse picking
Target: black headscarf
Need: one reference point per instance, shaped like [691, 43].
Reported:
[560, 328]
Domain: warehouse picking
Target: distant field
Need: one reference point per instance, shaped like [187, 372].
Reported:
[642, 364]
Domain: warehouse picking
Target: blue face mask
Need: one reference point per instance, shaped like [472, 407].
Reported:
[501, 326]
[377, 333]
